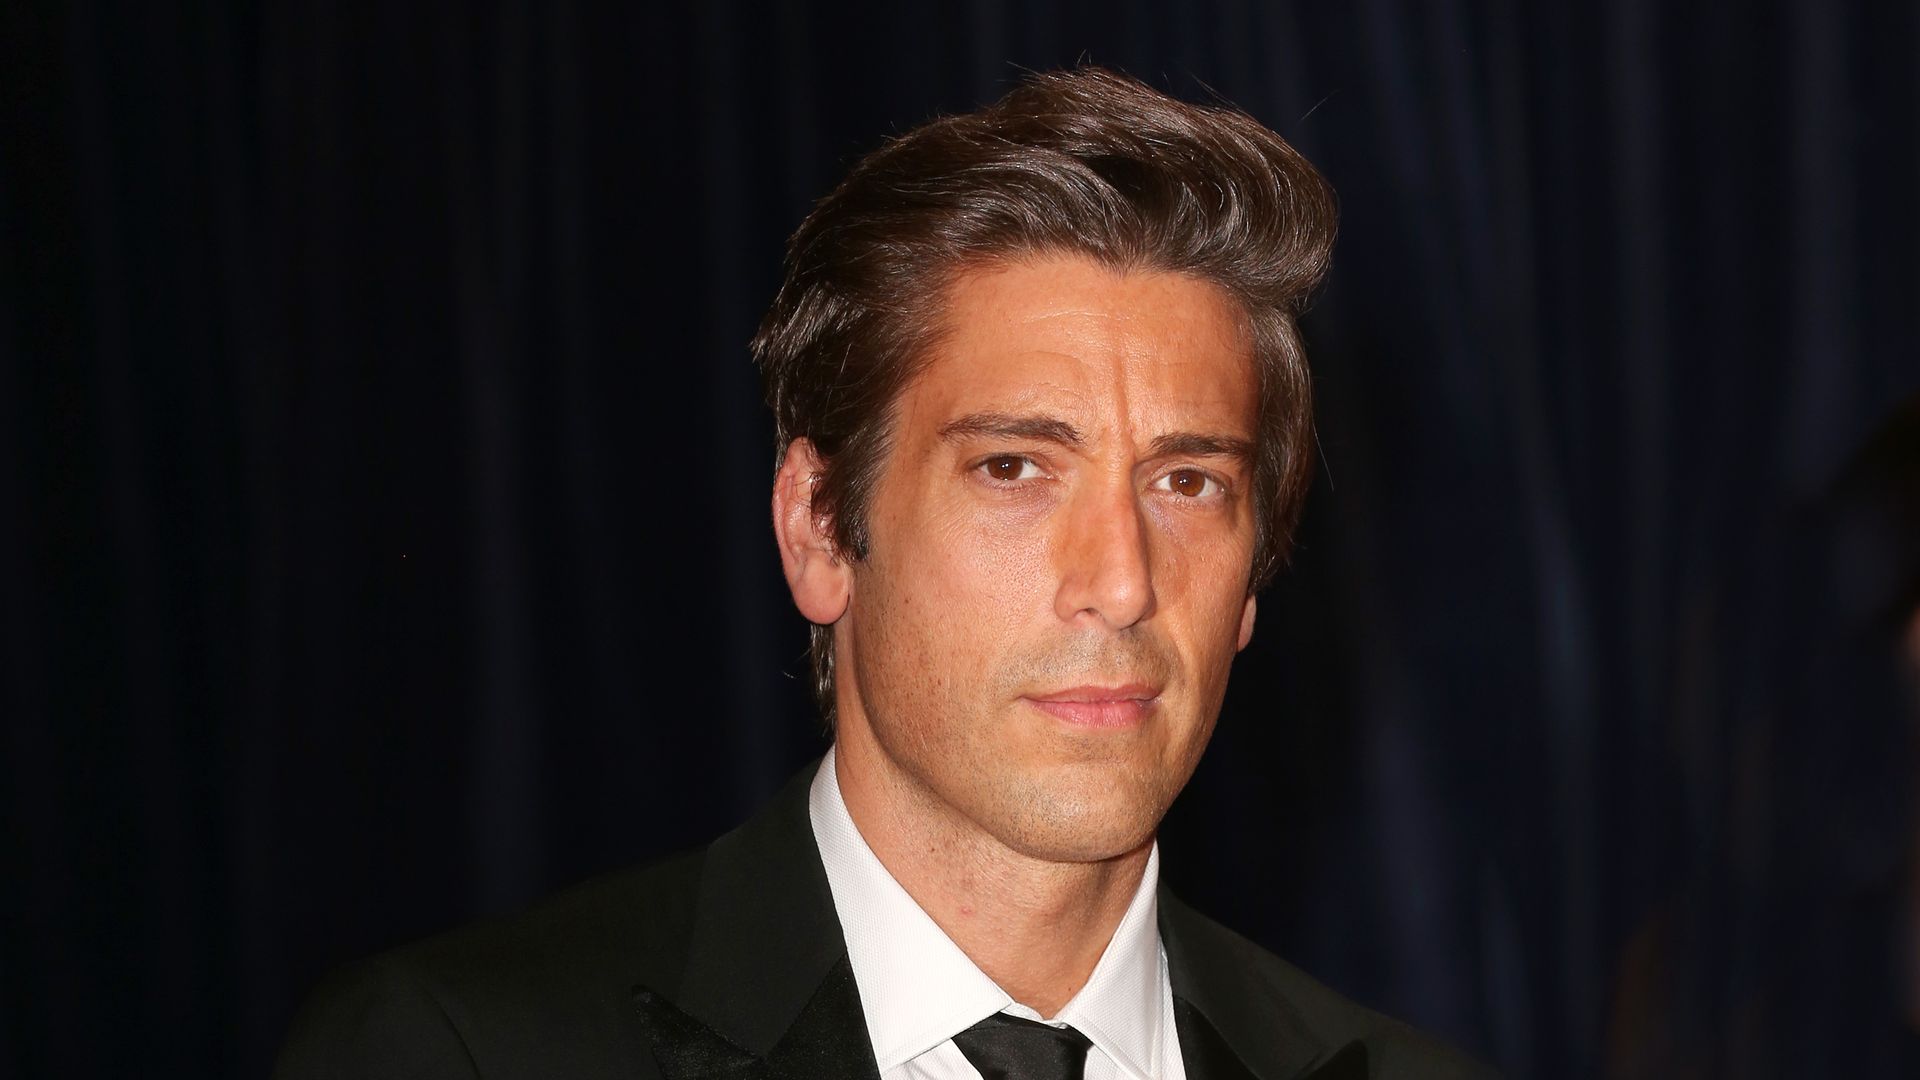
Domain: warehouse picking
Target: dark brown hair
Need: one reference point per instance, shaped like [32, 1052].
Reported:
[1084, 162]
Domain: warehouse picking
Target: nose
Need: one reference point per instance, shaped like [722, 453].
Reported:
[1105, 563]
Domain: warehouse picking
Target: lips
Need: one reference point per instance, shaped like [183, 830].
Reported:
[1099, 706]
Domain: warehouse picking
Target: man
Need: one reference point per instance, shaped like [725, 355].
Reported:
[1044, 431]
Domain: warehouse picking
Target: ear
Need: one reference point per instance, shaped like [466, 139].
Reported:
[1246, 623]
[820, 581]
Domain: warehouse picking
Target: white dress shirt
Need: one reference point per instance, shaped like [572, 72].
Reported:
[918, 989]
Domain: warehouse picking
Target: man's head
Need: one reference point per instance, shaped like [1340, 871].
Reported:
[1084, 162]
[1044, 420]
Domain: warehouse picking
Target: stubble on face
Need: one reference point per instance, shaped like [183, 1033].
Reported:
[957, 616]
[1049, 795]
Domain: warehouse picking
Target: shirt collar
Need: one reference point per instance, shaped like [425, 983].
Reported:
[918, 989]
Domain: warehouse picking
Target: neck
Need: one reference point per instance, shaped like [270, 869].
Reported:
[1036, 927]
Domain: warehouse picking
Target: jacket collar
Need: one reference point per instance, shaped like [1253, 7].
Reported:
[767, 991]
[1233, 1024]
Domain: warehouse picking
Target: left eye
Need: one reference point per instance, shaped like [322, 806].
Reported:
[1009, 467]
[1189, 482]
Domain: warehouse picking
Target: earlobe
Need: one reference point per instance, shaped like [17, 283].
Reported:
[1246, 623]
[820, 581]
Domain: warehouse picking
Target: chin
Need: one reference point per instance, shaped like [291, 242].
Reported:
[1079, 846]
[1071, 823]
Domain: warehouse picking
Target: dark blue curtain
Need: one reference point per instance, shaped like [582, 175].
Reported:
[389, 541]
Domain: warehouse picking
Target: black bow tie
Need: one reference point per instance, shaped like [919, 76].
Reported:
[1006, 1047]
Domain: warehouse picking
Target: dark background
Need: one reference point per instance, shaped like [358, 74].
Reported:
[394, 478]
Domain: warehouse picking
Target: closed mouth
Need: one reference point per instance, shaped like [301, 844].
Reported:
[1099, 706]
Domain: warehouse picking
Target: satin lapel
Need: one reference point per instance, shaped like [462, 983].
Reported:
[829, 1038]
[686, 1049]
[817, 1044]
[1205, 1054]
[1233, 1025]
[767, 982]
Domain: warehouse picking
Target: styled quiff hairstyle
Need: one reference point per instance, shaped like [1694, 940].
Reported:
[1084, 162]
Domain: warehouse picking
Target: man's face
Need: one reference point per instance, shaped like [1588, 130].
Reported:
[1061, 541]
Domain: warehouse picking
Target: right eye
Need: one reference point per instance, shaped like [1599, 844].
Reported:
[1009, 468]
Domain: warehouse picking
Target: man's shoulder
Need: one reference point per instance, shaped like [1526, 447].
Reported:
[552, 990]
[505, 989]
[633, 921]
[1247, 988]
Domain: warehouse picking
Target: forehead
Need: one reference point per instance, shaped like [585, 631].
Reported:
[1146, 351]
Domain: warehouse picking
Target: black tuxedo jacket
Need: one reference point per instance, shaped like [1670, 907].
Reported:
[731, 963]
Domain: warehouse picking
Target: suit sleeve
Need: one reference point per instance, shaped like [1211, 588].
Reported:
[374, 1020]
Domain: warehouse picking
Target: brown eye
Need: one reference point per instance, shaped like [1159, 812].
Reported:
[1189, 482]
[1008, 467]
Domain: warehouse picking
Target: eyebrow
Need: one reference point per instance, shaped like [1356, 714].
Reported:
[1198, 444]
[1009, 426]
[1049, 429]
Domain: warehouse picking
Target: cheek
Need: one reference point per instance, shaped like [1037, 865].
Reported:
[1200, 584]
[948, 602]
[992, 573]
